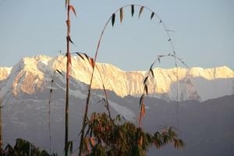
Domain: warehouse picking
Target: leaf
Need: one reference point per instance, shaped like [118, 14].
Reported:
[140, 140]
[141, 9]
[132, 10]
[146, 89]
[113, 19]
[146, 78]
[69, 39]
[121, 14]
[92, 62]
[87, 57]
[141, 99]
[159, 60]
[72, 8]
[152, 72]
[59, 72]
[152, 15]
[92, 141]
[80, 55]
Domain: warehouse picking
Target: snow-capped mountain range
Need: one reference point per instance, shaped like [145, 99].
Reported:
[34, 74]
[25, 94]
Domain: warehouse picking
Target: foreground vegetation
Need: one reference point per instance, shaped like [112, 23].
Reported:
[101, 134]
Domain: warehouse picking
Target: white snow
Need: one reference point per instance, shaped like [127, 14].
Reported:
[194, 83]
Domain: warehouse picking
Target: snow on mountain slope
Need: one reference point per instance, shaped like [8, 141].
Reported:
[4, 72]
[34, 74]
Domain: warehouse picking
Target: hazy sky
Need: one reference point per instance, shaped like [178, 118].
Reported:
[203, 31]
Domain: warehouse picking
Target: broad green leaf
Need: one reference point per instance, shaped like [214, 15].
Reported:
[113, 19]
[141, 9]
[121, 14]
[152, 15]
[132, 9]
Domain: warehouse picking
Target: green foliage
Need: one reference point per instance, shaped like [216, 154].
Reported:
[23, 148]
[106, 136]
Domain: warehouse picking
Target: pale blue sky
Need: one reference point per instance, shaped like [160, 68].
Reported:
[203, 31]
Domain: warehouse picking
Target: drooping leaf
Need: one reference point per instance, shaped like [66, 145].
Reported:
[152, 72]
[73, 9]
[141, 9]
[146, 89]
[87, 57]
[113, 19]
[80, 55]
[121, 14]
[146, 78]
[159, 60]
[152, 15]
[141, 99]
[69, 39]
[59, 72]
[92, 63]
[132, 10]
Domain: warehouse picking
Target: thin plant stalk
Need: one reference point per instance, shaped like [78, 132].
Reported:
[67, 80]
[1, 142]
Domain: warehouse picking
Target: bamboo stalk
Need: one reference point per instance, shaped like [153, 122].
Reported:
[67, 81]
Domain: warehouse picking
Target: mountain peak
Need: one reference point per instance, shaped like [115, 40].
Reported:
[31, 74]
